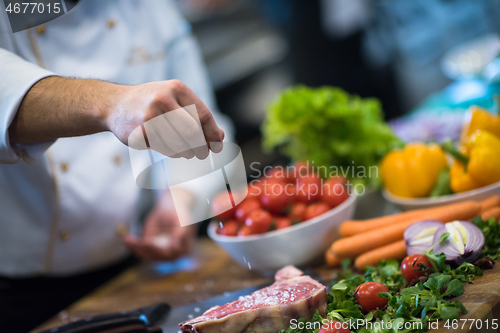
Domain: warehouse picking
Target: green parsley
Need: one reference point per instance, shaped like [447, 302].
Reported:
[429, 300]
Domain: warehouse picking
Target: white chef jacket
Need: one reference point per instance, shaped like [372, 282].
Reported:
[62, 203]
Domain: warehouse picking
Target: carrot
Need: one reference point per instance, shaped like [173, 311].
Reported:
[349, 228]
[396, 250]
[490, 202]
[331, 259]
[353, 246]
[352, 227]
[492, 213]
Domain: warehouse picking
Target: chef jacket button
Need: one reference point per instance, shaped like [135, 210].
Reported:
[64, 167]
[64, 235]
[41, 29]
[121, 229]
[117, 159]
[111, 23]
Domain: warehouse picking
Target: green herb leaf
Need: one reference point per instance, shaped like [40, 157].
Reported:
[449, 312]
[454, 288]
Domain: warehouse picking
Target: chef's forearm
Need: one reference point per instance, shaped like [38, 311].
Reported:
[58, 107]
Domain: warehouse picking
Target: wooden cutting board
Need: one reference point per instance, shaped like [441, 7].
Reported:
[482, 301]
[215, 273]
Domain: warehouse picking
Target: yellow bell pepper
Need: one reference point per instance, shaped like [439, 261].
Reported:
[484, 159]
[481, 138]
[479, 166]
[413, 171]
[460, 180]
[481, 119]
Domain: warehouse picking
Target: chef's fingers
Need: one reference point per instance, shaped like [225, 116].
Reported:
[188, 126]
[151, 228]
[213, 134]
[136, 247]
[151, 252]
[158, 253]
[165, 139]
[182, 239]
[159, 223]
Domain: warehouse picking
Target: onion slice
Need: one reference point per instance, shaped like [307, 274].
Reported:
[419, 236]
[465, 243]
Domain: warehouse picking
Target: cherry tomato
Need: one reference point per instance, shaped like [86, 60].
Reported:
[230, 228]
[308, 189]
[270, 185]
[334, 326]
[291, 191]
[243, 209]
[368, 298]
[220, 203]
[298, 211]
[334, 191]
[316, 209]
[258, 221]
[254, 189]
[412, 267]
[276, 202]
[245, 231]
[283, 222]
[296, 171]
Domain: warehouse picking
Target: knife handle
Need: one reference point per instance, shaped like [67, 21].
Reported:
[104, 323]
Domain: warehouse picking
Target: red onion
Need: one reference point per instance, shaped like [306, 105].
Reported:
[419, 236]
[465, 243]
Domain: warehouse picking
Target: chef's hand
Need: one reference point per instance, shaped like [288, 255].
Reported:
[170, 130]
[163, 238]
[57, 107]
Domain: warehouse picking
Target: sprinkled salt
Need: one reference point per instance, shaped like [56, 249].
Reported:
[162, 241]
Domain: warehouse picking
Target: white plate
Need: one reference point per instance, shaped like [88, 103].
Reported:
[476, 195]
[297, 245]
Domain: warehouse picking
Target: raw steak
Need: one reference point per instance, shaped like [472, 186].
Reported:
[268, 310]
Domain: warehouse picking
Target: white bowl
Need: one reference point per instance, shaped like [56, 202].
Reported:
[409, 203]
[297, 245]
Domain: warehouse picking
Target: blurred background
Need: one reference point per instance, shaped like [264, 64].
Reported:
[405, 53]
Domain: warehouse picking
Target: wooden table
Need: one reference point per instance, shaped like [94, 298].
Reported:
[213, 272]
